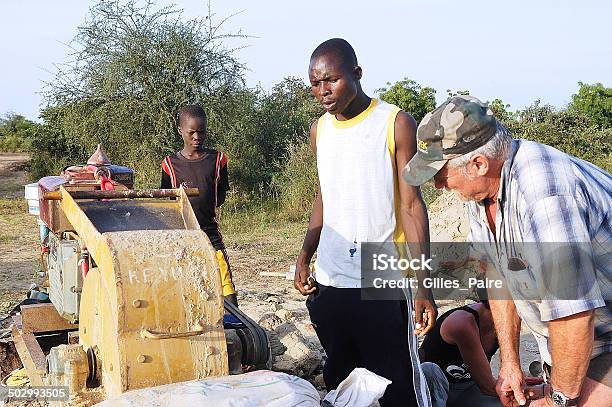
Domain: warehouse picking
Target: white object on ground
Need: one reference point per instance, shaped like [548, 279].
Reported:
[260, 388]
[31, 194]
[290, 275]
[256, 389]
[360, 389]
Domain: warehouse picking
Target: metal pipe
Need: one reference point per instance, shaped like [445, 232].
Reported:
[126, 194]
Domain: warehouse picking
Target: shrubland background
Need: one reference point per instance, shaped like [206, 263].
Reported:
[135, 64]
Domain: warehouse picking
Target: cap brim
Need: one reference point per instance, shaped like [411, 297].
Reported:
[418, 170]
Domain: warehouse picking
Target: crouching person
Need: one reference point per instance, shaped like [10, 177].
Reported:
[456, 357]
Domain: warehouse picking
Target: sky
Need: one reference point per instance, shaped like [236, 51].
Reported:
[516, 50]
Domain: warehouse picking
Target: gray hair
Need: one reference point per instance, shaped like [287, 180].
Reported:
[495, 149]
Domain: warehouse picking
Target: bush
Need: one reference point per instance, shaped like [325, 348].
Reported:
[297, 181]
[133, 67]
[410, 97]
[264, 127]
[16, 133]
[567, 131]
[594, 102]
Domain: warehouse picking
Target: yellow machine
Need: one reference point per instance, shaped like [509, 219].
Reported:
[134, 270]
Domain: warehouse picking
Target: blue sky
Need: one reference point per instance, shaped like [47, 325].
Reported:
[516, 50]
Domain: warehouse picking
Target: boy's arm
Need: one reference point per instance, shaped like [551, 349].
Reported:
[223, 186]
[460, 329]
[166, 183]
[166, 177]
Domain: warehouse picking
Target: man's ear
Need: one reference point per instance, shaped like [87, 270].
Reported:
[478, 165]
[357, 72]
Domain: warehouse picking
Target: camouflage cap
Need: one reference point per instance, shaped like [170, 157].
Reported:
[458, 126]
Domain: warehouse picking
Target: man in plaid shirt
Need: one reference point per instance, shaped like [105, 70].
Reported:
[542, 219]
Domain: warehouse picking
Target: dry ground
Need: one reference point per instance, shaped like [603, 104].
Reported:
[257, 243]
[18, 232]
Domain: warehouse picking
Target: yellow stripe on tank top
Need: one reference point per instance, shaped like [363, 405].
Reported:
[398, 234]
[319, 126]
[343, 124]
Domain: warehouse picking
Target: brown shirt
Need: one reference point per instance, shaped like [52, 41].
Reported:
[209, 175]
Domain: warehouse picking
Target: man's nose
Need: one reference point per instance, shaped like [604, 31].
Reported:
[439, 184]
[324, 89]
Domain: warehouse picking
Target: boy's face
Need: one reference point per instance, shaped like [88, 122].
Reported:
[193, 131]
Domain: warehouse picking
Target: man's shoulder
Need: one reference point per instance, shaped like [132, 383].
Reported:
[386, 105]
[541, 171]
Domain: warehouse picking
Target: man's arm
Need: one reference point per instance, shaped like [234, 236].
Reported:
[301, 280]
[570, 286]
[460, 329]
[415, 222]
[571, 340]
[508, 328]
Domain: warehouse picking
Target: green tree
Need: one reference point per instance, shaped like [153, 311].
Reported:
[594, 102]
[565, 130]
[17, 132]
[410, 97]
[500, 110]
[133, 66]
[284, 117]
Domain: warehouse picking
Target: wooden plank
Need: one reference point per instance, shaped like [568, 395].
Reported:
[31, 356]
[38, 318]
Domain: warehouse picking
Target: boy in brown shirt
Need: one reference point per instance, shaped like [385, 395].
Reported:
[206, 169]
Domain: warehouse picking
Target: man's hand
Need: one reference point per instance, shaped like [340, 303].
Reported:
[425, 311]
[510, 385]
[303, 281]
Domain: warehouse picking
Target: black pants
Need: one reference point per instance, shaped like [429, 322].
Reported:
[357, 333]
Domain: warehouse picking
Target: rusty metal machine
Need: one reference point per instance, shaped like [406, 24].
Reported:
[132, 272]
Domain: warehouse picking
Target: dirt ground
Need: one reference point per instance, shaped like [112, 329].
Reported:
[18, 232]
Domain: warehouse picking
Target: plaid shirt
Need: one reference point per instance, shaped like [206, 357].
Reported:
[553, 212]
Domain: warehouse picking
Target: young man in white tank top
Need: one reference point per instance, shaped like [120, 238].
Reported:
[361, 145]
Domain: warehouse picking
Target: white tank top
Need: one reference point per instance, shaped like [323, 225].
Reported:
[359, 188]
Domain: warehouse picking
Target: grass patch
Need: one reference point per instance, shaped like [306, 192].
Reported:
[261, 238]
[11, 189]
[6, 239]
[268, 228]
[17, 227]
[13, 206]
